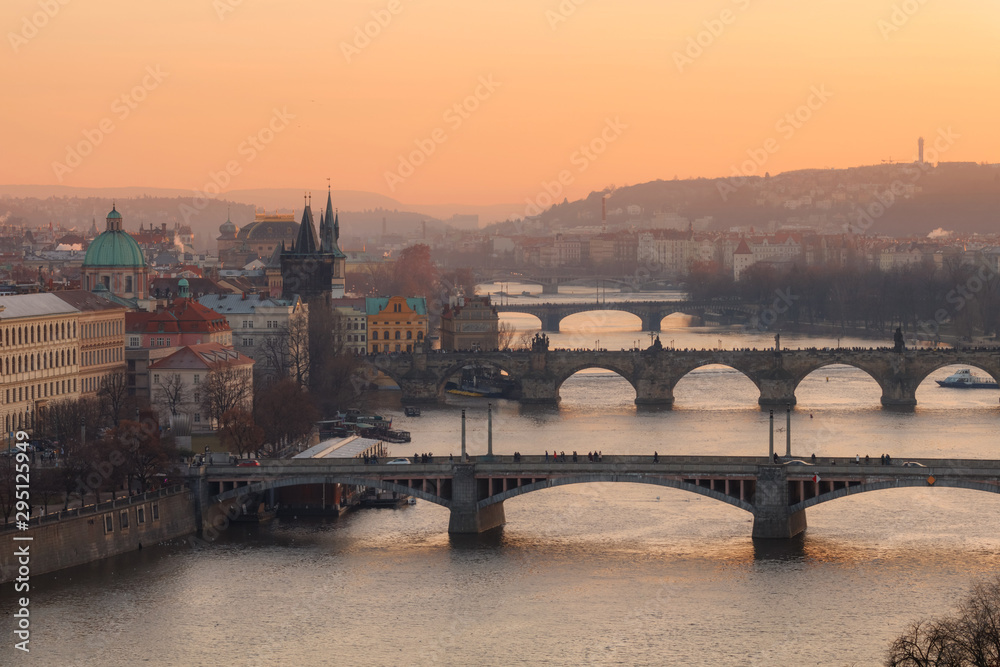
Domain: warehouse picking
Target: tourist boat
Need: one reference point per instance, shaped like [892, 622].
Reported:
[966, 379]
[411, 411]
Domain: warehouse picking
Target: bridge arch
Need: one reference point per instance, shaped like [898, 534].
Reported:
[685, 372]
[450, 371]
[613, 477]
[938, 364]
[870, 372]
[350, 480]
[598, 318]
[624, 373]
[917, 482]
[875, 385]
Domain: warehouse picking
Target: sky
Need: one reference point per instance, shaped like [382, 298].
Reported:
[441, 101]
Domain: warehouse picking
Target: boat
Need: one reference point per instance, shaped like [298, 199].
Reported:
[527, 293]
[411, 411]
[481, 382]
[966, 379]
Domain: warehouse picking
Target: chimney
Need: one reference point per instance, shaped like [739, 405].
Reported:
[244, 296]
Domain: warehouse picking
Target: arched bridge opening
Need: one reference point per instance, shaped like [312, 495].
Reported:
[587, 384]
[930, 395]
[807, 493]
[838, 385]
[715, 387]
[738, 492]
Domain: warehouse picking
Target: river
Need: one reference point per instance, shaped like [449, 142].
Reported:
[600, 573]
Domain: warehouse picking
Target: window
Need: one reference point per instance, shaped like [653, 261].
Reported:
[123, 519]
[109, 524]
[156, 378]
[197, 398]
[248, 342]
[397, 347]
[409, 335]
[140, 515]
[397, 335]
[197, 378]
[197, 418]
[156, 511]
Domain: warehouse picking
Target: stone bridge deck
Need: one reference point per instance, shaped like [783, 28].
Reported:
[650, 312]
[653, 373]
[776, 494]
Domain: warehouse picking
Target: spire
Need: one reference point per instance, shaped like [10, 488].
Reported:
[331, 232]
[305, 242]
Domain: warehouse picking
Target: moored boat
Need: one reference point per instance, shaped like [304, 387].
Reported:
[966, 379]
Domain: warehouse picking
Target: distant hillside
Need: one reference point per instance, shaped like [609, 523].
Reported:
[964, 197]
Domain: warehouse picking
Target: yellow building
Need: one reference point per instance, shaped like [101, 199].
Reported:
[102, 338]
[39, 356]
[396, 324]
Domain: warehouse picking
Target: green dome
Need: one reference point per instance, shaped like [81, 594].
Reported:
[114, 249]
[114, 214]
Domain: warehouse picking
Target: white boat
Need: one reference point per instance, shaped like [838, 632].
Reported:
[966, 379]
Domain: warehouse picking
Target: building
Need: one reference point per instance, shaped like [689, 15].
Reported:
[261, 326]
[39, 356]
[115, 260]
[742, 259]
[102, 337]
[396, 324]
[182, 384]
[470, 323]
[256, 240]
[315, 267]
[183, 321]
[351, 325]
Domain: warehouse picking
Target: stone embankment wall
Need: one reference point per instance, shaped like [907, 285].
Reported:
[79, 536]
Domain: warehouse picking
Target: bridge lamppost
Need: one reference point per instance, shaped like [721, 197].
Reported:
[788, 430]
[770, 450]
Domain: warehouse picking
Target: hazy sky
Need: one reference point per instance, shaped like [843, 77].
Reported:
[120, 92]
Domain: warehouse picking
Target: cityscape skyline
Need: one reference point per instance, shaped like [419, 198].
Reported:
[205, 95]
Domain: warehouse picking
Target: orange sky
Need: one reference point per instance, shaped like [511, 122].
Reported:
[223, 68]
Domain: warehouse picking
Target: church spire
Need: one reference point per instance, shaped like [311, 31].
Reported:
[330, 233]
[305, 242]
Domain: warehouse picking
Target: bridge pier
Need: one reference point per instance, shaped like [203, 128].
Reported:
[550, 288]
[899, 394]
[422, 390]
[651, 321]
[649, 391]
[550, 322]
[772, 517]
[466, 515]
[776, 392]
[539, 391]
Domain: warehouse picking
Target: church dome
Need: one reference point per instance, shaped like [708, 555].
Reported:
[227, 230]
[114, 247]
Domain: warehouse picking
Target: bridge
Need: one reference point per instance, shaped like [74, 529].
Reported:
[551, 280]
[474, 491]
[654, 373]
[650, 312]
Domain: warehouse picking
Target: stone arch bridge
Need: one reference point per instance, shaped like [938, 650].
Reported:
[777, 495]
[653, 373]
[650, 312]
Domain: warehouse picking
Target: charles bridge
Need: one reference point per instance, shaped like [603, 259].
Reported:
[474, 490]
[653, 373]
[723, 311]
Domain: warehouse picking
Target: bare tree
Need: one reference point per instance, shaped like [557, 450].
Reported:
[971, 637]
[226, 387]
[506, 332]
[239, 432]
[114, 396]
[286, 414]
[172, 392]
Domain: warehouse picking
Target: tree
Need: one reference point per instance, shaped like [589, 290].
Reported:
[285, 412]
[414, 273]
[238, 432]
[970, 637]
[172, 392]
[286, 353]
[226, 387]
[114, 395]
[144, 453]
[506, 332]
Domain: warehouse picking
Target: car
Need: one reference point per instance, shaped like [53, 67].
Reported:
[797, 462]
[248, 463]
[913, 464]
[399, 462]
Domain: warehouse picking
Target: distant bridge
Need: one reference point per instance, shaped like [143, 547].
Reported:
[650, 312]
[653, 373]
[552, 280]
[776, 495]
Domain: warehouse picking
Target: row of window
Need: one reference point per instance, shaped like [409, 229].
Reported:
[101, 356]
[387, 347]
[98, 329]
[397, 335]
[23, 363]
[356, 325]
[123, 518]
[26, 335]
[43, 390]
